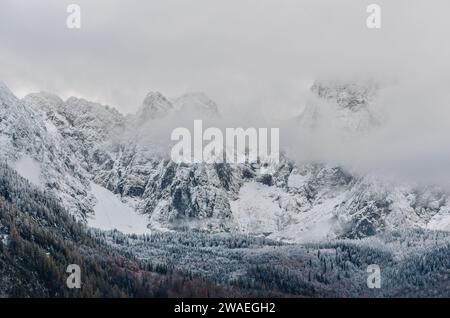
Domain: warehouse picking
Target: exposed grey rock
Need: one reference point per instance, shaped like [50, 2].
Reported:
[77, 142]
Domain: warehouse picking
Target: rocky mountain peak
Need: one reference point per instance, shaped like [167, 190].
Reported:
[155, 105]
[350, 95]
[342, 105]
[83, 142]
[6, 96]
[43, 101]
[196, 101]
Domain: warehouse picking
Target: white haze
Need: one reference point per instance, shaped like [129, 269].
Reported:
[257, 59]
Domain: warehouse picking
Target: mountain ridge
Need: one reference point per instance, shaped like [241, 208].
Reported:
[301, 201]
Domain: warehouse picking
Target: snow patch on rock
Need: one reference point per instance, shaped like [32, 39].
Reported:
[111, 213]
[440, 221]
[29, 169]
[259, 210]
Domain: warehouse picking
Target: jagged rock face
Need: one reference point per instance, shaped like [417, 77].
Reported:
[155, 105]
[28, 136]
[171, 194]
[364, 210]
[198, 193]
[87, 128]
[97, 122]
[352, 96]
[77, 142]
[139, 175]
[372, 206]
[344, 107]
[198, 103]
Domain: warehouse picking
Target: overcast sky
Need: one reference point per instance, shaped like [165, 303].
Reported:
[245, 54]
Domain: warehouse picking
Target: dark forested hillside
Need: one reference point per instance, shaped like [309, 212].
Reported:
[412, 263]
[39, 240]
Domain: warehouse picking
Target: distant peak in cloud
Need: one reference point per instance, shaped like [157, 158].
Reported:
[347, 94]
[43, 99]
[155, 105]
[196, 101]
[6, 93]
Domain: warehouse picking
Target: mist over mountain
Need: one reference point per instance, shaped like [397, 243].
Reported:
[107, 178]
[306, 196]
[89, 117]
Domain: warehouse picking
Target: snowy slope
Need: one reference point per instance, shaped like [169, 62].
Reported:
[30, 143]
[93, 159]
[29, 169]
[112, 214]
[258, 211]
[440, 221]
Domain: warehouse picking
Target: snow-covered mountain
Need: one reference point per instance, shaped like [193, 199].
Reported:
[36, 148]
[197, 103]
[84, 153]
[155, 105]
[346, 107]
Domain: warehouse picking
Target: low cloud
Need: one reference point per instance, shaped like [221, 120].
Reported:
[256, 58]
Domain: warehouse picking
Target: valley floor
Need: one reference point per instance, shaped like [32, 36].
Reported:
[412, 263]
